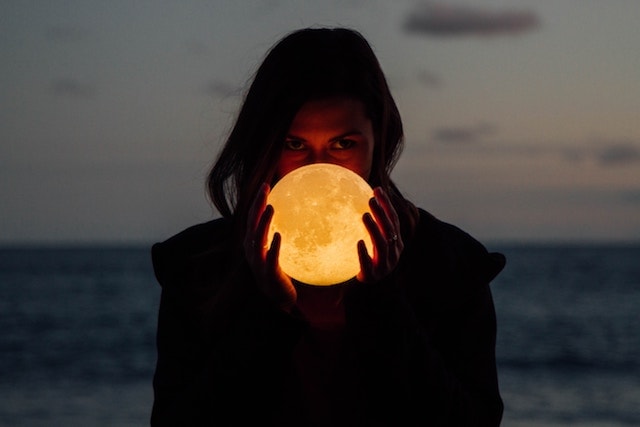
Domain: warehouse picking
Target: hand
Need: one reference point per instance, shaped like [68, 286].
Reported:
[384, 229]
[263, 260]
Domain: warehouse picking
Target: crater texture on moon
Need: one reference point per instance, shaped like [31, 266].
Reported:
[318, 211]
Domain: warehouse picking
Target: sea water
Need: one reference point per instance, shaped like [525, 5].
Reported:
[569, 335]
[77, 335]
[77, 341]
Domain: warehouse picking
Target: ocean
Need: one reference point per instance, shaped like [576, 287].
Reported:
[77, 340]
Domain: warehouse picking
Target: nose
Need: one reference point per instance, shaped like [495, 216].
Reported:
[318, 156]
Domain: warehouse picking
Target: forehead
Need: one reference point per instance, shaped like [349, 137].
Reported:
[334, 112]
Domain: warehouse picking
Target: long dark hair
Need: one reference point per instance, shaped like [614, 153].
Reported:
[307, 64]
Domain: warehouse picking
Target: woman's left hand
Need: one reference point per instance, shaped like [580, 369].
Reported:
[263, 259]
[384, 229]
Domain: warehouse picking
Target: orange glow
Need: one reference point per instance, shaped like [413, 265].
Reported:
[318, 211]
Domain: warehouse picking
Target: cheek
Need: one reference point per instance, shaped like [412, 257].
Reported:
[284, 167]
[366, 164]
[365, 173]
[360, 167]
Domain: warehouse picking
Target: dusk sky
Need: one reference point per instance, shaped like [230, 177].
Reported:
[522, 117]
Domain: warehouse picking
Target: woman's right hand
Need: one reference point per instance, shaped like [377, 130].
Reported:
[262, 259]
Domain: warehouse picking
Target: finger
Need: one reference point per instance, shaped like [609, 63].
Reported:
[382, 219]
[262, 230]
[385, 215]
[389, 209]
[272, 254]
[377, 237]
[366, 263]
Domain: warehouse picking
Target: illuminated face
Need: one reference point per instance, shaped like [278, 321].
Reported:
[333, 130]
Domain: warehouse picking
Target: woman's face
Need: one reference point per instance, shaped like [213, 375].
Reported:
[332, 130]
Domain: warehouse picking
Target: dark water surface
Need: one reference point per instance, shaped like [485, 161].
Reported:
[77, 343]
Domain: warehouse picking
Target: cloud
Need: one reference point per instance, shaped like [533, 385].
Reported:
[71, 88]
[428, 78]
[606, 153]
[618, 153]
[220, 89]
[439, 19]
[631, 196]
[461, 134]
[196, 48]
[66, 33]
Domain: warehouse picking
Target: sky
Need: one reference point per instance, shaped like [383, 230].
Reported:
[522, 117]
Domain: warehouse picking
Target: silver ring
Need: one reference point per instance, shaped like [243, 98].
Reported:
[393, 238]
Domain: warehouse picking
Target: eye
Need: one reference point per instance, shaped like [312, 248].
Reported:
[343, 144]
[293, 144]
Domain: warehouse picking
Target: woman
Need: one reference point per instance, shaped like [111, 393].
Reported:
[410, 340]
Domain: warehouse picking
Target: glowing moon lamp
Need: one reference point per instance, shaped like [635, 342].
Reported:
[318, 212]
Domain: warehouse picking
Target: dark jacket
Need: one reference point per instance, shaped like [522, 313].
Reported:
[420, 346]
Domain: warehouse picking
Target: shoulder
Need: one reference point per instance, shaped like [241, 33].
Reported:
[453, 250]
[192, 251]
[196, 238]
